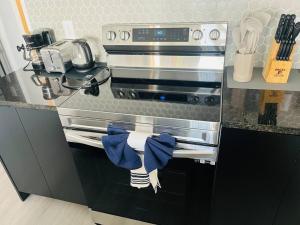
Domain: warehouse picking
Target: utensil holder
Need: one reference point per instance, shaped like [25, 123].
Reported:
[243, 67]
[277, 71]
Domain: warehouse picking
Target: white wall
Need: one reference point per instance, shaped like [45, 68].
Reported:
[11, 33]
[89, 15]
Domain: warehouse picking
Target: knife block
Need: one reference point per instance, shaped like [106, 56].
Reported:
[277, 71]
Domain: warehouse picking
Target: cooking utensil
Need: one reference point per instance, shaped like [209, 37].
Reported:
[263, 17]
[251, 27]
[250, 24]
[255, 42]
[244, 45]
[252, 41]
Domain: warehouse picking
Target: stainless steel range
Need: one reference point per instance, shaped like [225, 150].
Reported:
[165, 78]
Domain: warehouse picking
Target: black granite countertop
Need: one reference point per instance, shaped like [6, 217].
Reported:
[261, 110]
[40, 90]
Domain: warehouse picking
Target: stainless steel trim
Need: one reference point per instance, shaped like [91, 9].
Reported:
[104, 218]
[165, 61]
[188, 135]
[139, 119]
[183, 150]
[206, 28]
[168, 74]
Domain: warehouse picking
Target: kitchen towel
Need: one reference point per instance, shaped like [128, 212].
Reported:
[139, 178]
[158, 151]
[152, 153]
[117, 149]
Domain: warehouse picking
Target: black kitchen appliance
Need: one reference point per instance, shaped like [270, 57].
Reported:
[34, 42]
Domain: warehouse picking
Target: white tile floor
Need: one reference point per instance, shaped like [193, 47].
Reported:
[37, 210]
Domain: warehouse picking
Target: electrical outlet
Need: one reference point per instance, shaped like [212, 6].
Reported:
[69, 29]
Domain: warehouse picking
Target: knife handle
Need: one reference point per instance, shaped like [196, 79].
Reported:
[291, 46]
[295, 31]
[279, 28]
[290, 30]
[285, 27]
[279, 51]
[293, 17]
[280, 31]
[286, 50]
[285, 45]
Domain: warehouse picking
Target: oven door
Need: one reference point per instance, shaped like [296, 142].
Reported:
[183, 199]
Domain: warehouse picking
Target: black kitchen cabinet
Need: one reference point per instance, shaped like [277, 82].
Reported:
[289, 210]
[17, 155]
[252, 176]
[48, 142]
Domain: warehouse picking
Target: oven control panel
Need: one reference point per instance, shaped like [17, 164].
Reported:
[160, 34]
[192, 98]
[177, 34]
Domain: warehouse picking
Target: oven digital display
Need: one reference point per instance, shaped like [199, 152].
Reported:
[160, 34]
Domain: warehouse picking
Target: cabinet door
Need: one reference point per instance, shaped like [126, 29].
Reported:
[46, 135]
[17, 155]
[252, 173]
[289, 210]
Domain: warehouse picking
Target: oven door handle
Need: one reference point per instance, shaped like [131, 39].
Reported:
[183, 150]
[76, 138]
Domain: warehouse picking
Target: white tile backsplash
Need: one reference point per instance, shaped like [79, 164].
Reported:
[88, 16]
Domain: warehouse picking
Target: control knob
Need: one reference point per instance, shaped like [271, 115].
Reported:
[196, 99]
[197, 35]
[121, 94]
[214, 34]
[210, 100]
[125, 35]
[111, 35]
[132, 94]
[193, 99]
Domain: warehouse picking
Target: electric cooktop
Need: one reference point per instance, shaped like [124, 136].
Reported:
[189, 103]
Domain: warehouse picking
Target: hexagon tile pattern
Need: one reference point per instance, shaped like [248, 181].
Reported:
[88, 16]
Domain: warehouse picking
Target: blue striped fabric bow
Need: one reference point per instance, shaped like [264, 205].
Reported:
[157, 152]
